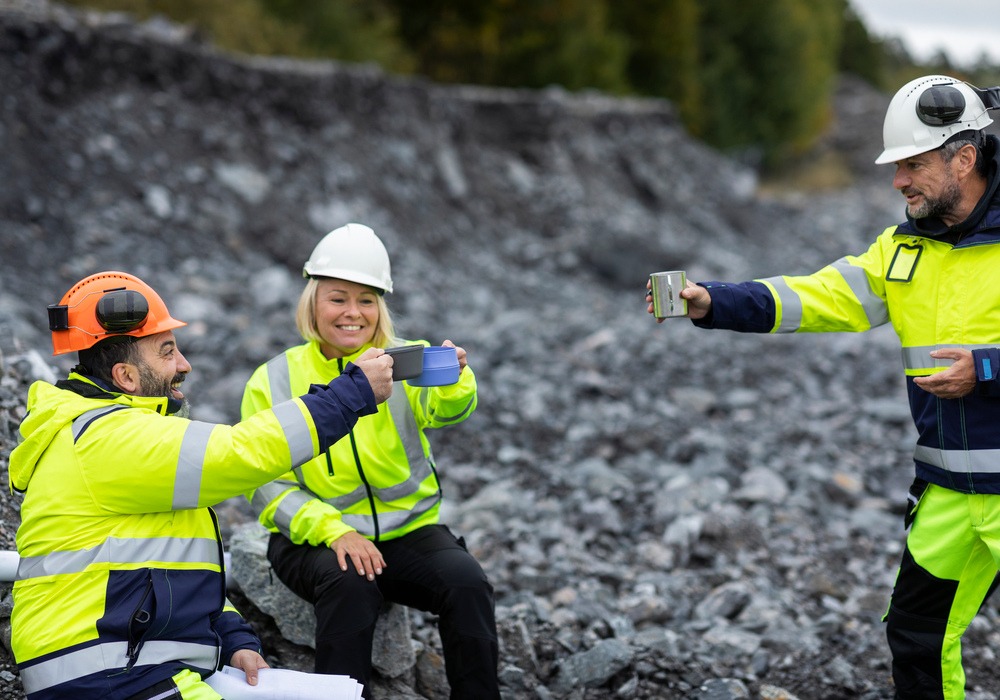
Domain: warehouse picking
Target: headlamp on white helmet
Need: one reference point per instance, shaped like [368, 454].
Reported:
[928, 112]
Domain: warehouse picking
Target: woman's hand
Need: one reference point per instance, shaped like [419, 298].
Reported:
[458, 351]
[363, 553]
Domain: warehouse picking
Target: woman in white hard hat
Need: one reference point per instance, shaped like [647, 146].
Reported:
[360, 524]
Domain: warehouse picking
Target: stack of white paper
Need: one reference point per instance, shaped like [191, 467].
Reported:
[283, 684]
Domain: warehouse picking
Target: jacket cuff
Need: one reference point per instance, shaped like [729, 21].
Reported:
[747, 307]
[236, 634]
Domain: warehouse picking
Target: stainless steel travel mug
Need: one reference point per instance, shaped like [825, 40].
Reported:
[666, 288]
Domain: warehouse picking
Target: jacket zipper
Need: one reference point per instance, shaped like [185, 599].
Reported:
[222, 580]
[139, 616]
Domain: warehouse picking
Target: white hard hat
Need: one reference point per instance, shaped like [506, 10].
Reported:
[354, 253]
[928, 111]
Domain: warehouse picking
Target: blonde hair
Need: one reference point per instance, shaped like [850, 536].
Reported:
[305, 318]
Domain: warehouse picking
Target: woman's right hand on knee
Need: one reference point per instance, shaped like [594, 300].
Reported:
[363, 553]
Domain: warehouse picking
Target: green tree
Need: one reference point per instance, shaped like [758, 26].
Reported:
[354, 31]
[768, 69]
[663, 51]
[747, 76]
[860, 53]
[522, 43]
[235, 25]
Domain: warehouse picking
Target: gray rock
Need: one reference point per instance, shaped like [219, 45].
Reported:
[392, 652]
[592, 668]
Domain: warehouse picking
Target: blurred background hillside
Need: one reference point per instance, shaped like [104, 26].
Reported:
[718, 516]
[753, 78]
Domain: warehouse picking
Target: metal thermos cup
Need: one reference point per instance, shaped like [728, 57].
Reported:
[666, 288]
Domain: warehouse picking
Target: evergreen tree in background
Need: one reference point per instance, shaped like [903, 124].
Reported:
[753, 78]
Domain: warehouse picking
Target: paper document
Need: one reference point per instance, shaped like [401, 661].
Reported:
[283, 684]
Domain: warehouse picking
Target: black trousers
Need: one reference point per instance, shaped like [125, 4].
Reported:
[428, 569]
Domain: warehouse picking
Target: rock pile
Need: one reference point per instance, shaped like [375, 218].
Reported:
[664, 512]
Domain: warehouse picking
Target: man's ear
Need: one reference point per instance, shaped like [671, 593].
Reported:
[967, 159]
[126, 377]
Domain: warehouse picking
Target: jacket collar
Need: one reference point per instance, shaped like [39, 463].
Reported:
[93, 388]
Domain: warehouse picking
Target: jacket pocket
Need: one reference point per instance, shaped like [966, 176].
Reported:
[913, 496]
[139, 622]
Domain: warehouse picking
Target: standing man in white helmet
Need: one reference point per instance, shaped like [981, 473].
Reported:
[936, 278]
[361, 523]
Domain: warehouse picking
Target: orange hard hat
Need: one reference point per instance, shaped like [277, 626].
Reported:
[103, 305]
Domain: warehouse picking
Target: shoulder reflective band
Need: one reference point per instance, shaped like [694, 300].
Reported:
[904, 262]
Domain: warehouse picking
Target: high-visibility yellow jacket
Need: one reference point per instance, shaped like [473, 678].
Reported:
[121, 582]
[936, 294]
[381, 480]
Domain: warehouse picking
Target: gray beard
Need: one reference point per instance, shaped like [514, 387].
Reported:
[941, 206]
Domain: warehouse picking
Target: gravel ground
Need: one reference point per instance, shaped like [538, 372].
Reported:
[664, 512]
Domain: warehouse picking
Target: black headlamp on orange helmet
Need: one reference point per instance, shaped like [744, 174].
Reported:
[103, 305]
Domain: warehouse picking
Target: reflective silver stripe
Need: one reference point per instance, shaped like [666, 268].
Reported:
[191, 464]
[84, 419]
[419, 465]
[348, 499]
[875, 308]
[111, 656]
[296, 429]
[168, 693]
[961, 461]
[278, 379]
[856, 278]
[791, 305]
[365, 524]
[287, 509]
[419, 468]
[386, 494]
[268, 492]
[118, 551]
[919, 357]
[459, 416]
[405, 488]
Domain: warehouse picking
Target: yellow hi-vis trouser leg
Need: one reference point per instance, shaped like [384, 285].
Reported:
[951, 560]
[191, 687]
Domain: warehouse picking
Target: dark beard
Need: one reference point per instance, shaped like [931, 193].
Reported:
[152, 385]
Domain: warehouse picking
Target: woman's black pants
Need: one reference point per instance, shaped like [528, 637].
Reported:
[428, 569]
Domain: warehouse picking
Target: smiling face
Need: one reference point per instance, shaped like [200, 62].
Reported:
[347, 315]
[154, 367]
[162, 367]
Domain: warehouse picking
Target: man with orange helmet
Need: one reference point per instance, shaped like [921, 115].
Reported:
[120, 589]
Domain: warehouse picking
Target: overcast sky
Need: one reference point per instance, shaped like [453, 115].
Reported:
[963, 28]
